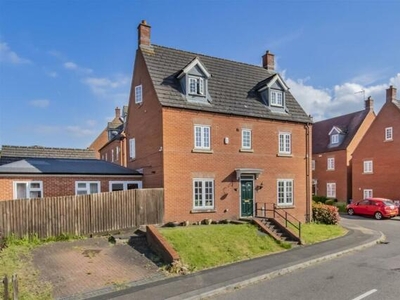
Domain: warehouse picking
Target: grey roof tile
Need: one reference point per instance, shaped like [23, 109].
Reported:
[232, 85]
[46, 152]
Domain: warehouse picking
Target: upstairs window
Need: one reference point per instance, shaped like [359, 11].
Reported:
[132, 148]
[112, 155]
[117, 153]
[313, 165]
[388, 133]
[246, 139]
[285, 143]
[368, 166]
[28, 190]
[334, 138]
[202, 137]
[196, 86]
[331, 163]
[276, 98]
[138, 94]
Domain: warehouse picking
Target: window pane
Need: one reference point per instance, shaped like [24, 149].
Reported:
[81, 192]
[81, 185]
[94, 188]
[35, 194]
[192, 86]
[21, 191]
[117, 187]
[35, 185]
[132, 186]
[206, 137]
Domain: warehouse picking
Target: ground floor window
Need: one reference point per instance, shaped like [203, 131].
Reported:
[87, 187]
[124, 185]
[203, 193]
[285, 192]
[28, 190]
[331, 190]
[367, 193]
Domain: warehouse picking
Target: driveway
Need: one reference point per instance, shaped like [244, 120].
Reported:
[94, 266]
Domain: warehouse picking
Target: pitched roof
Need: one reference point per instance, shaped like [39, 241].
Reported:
[36, 165]
[38, 151]
[232, 85]
[349, 124]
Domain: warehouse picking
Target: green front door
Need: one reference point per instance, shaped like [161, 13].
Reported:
[246, 188]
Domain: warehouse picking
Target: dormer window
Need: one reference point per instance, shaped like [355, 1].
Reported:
[334, 138]
[196, 85]
[276, 98]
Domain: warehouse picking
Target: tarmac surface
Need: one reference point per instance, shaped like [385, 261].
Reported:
[219, 280]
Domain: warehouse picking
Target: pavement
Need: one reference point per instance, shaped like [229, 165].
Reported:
[227, 278]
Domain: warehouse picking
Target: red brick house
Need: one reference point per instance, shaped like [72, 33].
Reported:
[376, 160]
[217, 135]
[333, 144]
[37, 172]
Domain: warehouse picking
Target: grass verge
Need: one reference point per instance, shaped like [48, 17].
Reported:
[202, 247]
[16, 258]
[312, 233]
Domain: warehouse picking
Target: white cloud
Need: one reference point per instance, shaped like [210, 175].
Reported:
[9, 56]
[41, 103]
[69, 65]
[341, 99]
[106, 87]
[78, 131]
[52, 74]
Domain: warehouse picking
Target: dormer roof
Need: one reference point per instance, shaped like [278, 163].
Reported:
[195, 62]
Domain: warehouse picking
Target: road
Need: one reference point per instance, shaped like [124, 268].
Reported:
[370, 274]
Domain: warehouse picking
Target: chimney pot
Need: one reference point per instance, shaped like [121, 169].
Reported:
[369, 103]
[268, 61]
[117, 112]
[144, 34]
[391, 94]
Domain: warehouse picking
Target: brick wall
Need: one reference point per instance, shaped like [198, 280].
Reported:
[99, 142]
[106, 151]
[56, 185]
[385, 179]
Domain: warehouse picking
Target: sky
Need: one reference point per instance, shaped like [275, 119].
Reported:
[66, 65]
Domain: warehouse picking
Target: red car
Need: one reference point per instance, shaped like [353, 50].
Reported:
[377, 207]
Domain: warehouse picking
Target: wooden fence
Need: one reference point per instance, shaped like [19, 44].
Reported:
[83, 214]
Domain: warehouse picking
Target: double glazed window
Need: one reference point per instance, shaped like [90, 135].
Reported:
[246, 139]
[196, 86]
[124, 185]
[367, 193]
[138, 94]
[28, 190]
[331, 163]
[388, 133]
[368, 166]
[331, 190]
[202, 137]
[276, 98]
[285, 192]
[334, 138]
[285, 143]
[87, 187]
[203, 193]
[132, 148]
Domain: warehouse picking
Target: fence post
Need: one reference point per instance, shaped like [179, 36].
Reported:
[5, 283]
[15, 286]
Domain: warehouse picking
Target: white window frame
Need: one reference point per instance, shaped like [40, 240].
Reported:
[276, 98]
[112, 155]
[106, 157]
[117, 153]
[389, 134]
[368, 166]
[197, 83]
[203, 193]
[246, 139]
[138, 94]
[285, 197]
[132, 148]
[87, 187]
[29, 189]
[285, 143]
[313, 165]
[368, 193]
[202, 137]
[331, 189]
[125, 184]
[335, 138]
[330, 163]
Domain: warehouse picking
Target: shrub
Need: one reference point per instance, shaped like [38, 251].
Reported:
[325, 214]
[319, 199]
[329, 202]
[341, 206]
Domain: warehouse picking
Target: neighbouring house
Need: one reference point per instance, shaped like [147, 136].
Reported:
[37, 172]
[333, 144]
[110, 144]
[218, 135]
[376, 160]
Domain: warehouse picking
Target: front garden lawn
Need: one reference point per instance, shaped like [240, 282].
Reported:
[207, 246]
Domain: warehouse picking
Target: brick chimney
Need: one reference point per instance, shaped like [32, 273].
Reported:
[268, 61]
[369, 103]
[391, 94]
[144, 34]
[117, 112]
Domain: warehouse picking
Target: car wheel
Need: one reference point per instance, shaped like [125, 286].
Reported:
[378, 215]
[350, 211]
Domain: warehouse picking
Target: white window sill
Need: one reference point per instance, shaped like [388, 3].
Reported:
[368, 173]
[286, 206]
[202, 210]
[246, 150]
[330, 169]
[284, 155]
[388, 140]
[203, 151]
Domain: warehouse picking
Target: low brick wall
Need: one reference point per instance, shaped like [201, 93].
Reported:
[160, 245]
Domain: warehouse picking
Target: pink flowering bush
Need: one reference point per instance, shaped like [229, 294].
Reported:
[325, 214]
